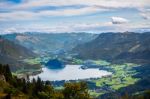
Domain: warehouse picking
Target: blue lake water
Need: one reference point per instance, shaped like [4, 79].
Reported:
[70, 72]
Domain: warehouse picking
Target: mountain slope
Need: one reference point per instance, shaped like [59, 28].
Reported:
[12, 54]
[13, 50]
[120, 47]
[40, 42]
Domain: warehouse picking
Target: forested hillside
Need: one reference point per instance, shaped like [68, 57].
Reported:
[117, 47]
[12, 87]
[13, 54]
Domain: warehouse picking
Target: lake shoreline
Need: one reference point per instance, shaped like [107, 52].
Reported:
[71, 72]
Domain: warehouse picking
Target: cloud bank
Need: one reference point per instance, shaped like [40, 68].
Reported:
[74, 15]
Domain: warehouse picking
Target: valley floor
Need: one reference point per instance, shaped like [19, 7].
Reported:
[123, 75]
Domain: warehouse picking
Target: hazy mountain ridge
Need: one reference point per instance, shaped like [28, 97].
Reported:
[12, 54]
[50, 42]
[120, 47]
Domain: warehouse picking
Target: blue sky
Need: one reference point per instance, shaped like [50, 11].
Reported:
[58, 16]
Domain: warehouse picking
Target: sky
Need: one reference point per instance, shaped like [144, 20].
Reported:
[57, 16]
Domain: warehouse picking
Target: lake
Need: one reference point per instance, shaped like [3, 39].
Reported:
[70, 72]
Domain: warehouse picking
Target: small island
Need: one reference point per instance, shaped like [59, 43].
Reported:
[54, 64]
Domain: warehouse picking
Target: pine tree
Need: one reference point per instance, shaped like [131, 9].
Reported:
[7, 73]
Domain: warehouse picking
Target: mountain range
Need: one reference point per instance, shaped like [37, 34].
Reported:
[117, 47]
[40, 42]
[15, 47]
[113, 47]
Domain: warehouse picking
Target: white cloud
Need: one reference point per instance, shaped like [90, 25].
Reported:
[119, 20]
[23, 12]
[146, 16]
[136, 26]
[19, 15]
[70, 27]
[92, 5]
[10, 30]
[26, 15]
[145, 13]
[72, 12]
[78, 27]
[101, 3]
[20, 12]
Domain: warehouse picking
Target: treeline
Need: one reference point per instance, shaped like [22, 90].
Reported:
[38, 89]
[5, 70]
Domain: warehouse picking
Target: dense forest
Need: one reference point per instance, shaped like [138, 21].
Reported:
[15, 88]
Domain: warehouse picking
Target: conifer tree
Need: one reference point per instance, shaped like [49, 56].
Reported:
[7, 73]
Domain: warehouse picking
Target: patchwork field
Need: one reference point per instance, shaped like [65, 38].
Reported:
[122, 77]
